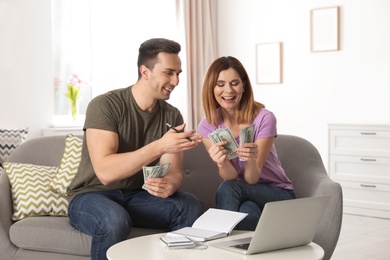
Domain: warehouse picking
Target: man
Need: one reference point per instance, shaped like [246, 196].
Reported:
[125, 129]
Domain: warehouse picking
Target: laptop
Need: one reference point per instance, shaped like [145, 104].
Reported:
[283, 224]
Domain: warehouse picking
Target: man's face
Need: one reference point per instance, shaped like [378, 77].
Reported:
[164, 77]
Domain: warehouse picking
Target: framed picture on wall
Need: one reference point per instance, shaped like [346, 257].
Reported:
[269, 63]
[325, 29]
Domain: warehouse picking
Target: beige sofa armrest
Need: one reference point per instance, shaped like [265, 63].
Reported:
[6, 210]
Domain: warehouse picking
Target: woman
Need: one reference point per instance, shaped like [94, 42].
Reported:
[256, 176]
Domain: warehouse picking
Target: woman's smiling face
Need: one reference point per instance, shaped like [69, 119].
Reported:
[229, 89]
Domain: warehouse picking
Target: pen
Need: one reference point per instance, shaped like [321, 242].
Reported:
[177, 131]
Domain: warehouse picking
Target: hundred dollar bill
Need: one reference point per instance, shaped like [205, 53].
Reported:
[157, 171]
[247, 134]
[224, 134]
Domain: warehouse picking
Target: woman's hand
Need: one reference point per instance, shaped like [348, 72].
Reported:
[218, 153]
[248, 152]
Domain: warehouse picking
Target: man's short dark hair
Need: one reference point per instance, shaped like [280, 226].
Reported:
[149, 50]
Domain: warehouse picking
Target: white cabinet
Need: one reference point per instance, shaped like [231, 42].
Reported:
[359, 159]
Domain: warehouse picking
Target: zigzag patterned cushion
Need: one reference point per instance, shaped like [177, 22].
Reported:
[69, 164]
[31, 193]
[9, 140]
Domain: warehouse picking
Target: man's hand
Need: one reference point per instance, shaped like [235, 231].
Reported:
[160, 187]
[173, 142]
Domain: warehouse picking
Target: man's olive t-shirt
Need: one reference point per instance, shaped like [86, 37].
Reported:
[117, 111]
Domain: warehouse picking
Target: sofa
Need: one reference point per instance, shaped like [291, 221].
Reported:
[49, 237]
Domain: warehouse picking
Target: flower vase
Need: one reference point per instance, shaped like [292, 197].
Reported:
[73, 95]
[74, 109]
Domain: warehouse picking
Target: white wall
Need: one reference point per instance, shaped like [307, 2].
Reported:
[347, 86]
[26, 78]
[26, 92]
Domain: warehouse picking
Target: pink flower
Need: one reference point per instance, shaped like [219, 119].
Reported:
[74, 80]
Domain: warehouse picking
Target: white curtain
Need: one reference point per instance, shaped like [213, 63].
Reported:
[71, 51]
[198, 20]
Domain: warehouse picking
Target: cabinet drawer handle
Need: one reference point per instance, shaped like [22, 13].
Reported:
[367, 160]
[368, 133]
[367, 186]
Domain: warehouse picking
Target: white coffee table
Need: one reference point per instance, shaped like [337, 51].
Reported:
[151, 248]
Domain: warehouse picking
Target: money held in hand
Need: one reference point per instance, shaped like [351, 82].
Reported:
[158, 171]
[247, 134]
[224, 134]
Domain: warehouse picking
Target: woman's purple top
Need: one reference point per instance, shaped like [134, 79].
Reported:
[265, 126]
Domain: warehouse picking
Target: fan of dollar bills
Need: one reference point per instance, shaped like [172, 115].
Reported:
[158, 171]
[224, 134]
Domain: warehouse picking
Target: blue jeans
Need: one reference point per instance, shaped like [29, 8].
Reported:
[109, 215]
[236, 195]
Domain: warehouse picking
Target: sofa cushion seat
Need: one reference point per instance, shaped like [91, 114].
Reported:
[55, 234]
[50, 234]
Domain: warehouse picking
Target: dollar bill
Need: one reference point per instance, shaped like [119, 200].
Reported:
[157, 171]
[247, 134]
[224, 134]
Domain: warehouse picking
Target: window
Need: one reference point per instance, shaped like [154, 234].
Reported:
[71, 53]
[98, 40]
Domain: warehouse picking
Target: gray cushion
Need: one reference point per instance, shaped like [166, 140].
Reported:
[50, 234]
[9, 140]
[200, 176]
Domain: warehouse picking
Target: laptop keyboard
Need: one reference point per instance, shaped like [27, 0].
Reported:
[242, 246]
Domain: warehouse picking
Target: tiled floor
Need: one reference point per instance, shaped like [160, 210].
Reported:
[363, 238]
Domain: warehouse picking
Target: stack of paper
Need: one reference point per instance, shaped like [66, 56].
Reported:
[176, 242]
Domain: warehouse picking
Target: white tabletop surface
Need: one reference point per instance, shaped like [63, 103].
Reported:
[151, 248]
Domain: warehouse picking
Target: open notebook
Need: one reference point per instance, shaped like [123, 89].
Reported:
[214, 223]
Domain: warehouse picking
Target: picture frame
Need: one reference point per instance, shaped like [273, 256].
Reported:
[325, 29]
[269, 63]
